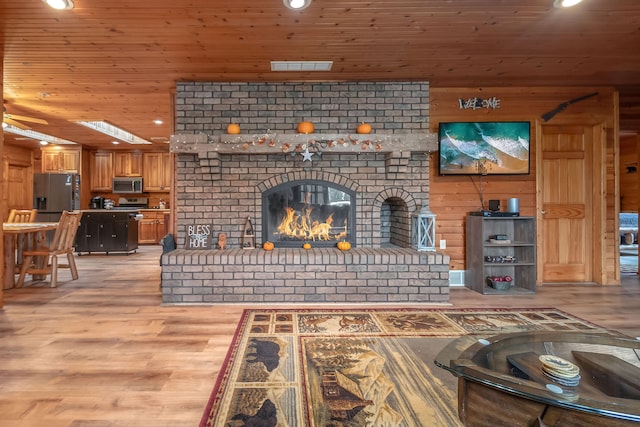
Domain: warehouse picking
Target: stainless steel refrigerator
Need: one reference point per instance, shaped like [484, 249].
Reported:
[54, 193]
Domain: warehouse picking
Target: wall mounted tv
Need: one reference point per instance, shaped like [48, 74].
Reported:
[484, 148]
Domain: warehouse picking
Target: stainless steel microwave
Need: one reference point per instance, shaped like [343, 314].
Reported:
[127, 185]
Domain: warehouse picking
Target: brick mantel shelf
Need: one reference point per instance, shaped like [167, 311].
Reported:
[272, 143]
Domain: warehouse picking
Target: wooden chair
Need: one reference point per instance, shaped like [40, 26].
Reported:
[44, 261]
[22, 215]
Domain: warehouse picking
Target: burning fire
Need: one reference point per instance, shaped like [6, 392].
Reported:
[302, 227]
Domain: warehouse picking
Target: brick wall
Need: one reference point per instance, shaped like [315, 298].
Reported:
[393, 107]
[223, 189]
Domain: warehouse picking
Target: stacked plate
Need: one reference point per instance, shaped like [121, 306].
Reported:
[560, 370]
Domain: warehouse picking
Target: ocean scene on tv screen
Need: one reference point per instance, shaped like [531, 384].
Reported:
[484, 148]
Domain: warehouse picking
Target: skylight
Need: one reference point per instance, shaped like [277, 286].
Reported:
[38, 136]
[301, 65]
[113, 131]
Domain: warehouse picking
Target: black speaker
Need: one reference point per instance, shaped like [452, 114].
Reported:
[494, 205]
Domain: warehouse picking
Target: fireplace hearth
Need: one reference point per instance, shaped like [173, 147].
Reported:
[308, 211]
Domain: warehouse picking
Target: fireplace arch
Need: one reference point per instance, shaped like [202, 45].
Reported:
[394, 207]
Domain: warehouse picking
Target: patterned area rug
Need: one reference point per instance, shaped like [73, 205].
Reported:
[354, 367]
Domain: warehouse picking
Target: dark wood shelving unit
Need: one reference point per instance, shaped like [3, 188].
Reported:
[520, 251]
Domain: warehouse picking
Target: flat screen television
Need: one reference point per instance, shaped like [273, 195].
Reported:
[484, 148]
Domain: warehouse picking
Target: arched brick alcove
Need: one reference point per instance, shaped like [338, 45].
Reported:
[394, 207]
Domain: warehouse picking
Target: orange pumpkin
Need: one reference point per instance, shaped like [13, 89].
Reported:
[363, 128]
[344, 246]
[233, 129]
[306, 246]
[268, 246]
[305, 127]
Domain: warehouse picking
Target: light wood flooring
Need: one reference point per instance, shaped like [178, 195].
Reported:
[102, 351]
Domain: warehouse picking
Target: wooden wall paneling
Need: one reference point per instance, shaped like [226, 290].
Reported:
[85, 185]
[629, 173]
[3, 180]
[637, 139]
[3, 204]
[453, 197]
[603, 267]
[610, 245]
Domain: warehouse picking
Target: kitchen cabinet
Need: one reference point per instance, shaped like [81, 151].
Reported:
[127, 164]
[104, 231]
[156, 171]
[512, 255]
[152, 227]
[55, 160]
[101, 172]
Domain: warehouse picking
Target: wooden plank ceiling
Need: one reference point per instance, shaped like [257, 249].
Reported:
[118, 60]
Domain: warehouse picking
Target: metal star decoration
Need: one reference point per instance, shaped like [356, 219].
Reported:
[306, 155]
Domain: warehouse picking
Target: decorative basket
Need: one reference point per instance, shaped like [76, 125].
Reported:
[499, 285]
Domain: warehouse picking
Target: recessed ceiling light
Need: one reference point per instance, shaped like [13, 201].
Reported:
[60, 4]
[297, 4]
[301, 65]
[158, 121]
[44, 143]
[115, 142]
[566, 3]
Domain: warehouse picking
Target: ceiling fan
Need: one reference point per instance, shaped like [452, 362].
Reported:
[14, 120]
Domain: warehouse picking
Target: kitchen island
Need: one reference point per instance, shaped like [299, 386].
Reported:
[107, 230]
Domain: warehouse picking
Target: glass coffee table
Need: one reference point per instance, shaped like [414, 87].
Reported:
[501, 380]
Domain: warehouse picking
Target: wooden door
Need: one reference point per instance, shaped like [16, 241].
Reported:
[569, 178]
[19, 187]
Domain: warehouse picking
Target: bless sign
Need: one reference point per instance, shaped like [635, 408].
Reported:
[199, 236]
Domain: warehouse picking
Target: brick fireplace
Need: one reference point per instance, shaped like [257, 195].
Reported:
[364, 186]
[309, 210]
